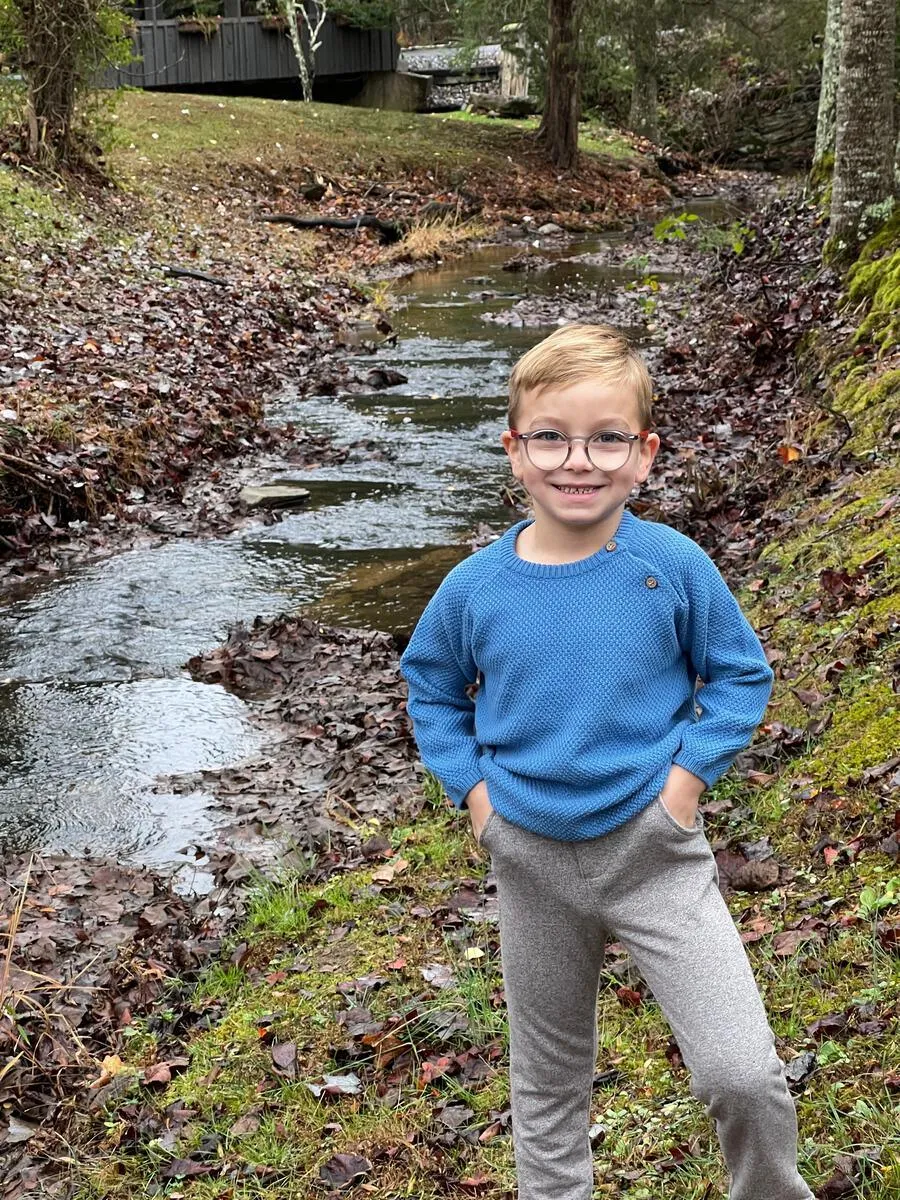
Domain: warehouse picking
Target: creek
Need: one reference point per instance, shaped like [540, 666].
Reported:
[95, 705]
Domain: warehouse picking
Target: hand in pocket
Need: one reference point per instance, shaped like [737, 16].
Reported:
[479, 805]
[681, 796]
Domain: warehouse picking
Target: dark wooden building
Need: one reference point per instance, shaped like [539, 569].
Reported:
[243, 50]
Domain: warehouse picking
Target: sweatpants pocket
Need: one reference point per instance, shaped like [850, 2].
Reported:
[697, 827]
[489, 820]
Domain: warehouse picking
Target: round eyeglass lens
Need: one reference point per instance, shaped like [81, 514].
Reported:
[609, 450]
[547, 450]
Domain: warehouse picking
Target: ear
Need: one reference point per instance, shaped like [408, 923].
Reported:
[513, 448]
[649, 450]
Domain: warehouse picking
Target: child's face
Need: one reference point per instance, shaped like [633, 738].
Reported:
[580, 410]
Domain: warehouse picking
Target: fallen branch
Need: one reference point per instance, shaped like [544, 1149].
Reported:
[188, 273]
[13, 461]
[20, 467]
[389, 231]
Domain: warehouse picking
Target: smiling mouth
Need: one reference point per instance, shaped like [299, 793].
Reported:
[577, 491]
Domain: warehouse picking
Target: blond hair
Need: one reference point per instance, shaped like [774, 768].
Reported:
[577, 352]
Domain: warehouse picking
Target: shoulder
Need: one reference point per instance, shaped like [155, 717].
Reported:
[468, 577]
[662, 539]
[671, 552]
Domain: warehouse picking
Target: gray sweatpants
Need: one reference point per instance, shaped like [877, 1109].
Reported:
[651, 885]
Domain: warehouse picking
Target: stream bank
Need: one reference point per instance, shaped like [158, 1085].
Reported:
[148, 321]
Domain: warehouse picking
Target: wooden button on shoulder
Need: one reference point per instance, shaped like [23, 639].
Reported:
[610, 546]
[651, 582]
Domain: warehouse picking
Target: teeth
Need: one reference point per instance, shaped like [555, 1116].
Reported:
[576, 491]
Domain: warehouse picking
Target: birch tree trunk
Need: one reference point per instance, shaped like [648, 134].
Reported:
[562, 105]
[298, 19]
[643, 118]
[864, 130]
[831, 57]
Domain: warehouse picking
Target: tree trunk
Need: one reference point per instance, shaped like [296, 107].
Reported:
[644, 118]
[291, 9]
[864, 130]
[831, 57]
[50, 34]
[562, 105]
[304, 37]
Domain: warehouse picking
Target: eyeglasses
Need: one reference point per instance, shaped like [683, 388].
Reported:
[607, 449]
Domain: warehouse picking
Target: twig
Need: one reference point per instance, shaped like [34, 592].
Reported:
[11, 935]
[29, 465]
[390, 231]
[188, 273]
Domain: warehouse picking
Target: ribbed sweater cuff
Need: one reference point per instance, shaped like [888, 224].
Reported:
[457, 789]
[703, 769]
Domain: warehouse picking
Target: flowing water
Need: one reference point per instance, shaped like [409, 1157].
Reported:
[94, 702]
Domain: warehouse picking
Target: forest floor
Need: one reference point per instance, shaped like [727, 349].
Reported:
[338, 1027]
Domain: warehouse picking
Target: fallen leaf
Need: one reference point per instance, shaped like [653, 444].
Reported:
[342, 1170]
[337, 1085]
[18, 1130]
[789, 941]
[187, 1168]
[438, 974]
[245, 1125]
[159, 1073]
[756, 875]
[284, 1056]
[110, 1067]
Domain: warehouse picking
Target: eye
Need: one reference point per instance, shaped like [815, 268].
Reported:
[608, 437]
[547, 435]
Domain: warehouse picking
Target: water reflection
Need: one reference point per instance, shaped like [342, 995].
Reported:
[79, 762]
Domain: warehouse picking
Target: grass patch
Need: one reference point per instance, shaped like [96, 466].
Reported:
[311, 956]
[593, 138]
[433, 239]
[197, 131]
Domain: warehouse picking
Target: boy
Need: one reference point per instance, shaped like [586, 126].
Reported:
[582, 759]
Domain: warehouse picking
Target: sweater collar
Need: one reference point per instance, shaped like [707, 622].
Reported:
[511, 560]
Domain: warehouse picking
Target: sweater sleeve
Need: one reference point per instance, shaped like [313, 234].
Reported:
[737, 680]
[438, 666]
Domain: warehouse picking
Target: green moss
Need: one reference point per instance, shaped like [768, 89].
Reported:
[875, 278]
[865, 731]
[871, 402]
[29, 214]
[846, 530]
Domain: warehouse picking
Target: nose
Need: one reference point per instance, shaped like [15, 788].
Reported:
[578, 457]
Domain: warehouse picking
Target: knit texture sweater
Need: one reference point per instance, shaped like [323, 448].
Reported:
[586, 677]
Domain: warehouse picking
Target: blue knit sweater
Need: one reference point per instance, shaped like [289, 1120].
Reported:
[586, 678]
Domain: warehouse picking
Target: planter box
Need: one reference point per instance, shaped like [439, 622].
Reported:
[200, 27]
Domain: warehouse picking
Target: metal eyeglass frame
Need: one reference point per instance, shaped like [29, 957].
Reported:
[631, 438]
